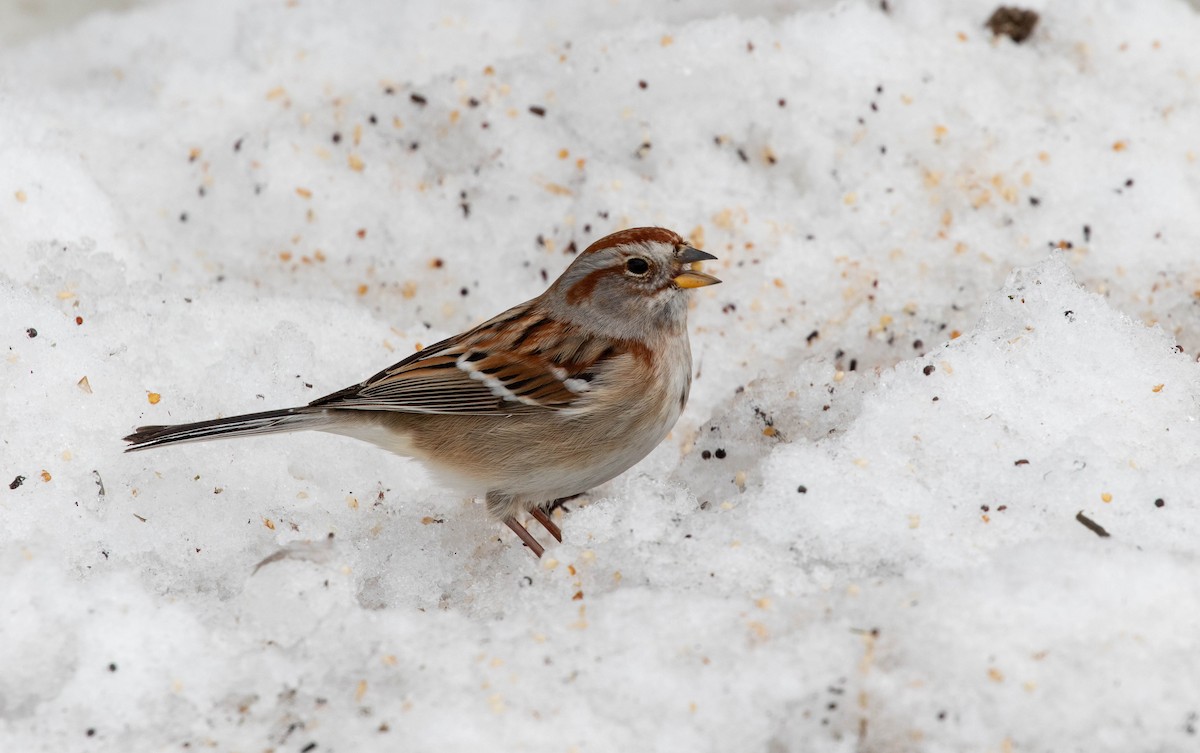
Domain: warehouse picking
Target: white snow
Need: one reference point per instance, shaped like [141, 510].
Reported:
[959, 323]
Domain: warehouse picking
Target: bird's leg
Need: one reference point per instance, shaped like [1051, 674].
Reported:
[562, 502]
[540, 516]
[525, 536]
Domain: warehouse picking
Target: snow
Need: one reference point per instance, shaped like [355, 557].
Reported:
[956, 341]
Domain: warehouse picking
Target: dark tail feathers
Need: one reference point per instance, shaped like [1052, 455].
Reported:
[269, 422]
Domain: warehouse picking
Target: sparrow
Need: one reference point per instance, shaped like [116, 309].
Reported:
[543, 402]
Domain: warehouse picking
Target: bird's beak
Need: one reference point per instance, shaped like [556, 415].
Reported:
[691, 278]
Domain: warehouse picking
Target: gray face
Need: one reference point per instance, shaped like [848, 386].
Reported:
[629, 290]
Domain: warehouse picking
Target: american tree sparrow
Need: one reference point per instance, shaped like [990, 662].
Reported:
[542, 402]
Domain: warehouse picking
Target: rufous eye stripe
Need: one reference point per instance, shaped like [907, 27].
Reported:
[583, 289]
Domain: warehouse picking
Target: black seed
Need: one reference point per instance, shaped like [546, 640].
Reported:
[417, 99]
[642, 84]
[720, 454]
[336, 137]
[812, 336]
[472, 102]
[1015, 23]
[538, 110]
[928, 369]
[1022, 461]
[31, 332]
[802, 489]
[706, 455]
[1091, 525]
[16, 482]
[1159, 502]
[1034, 201]
[1087, 232]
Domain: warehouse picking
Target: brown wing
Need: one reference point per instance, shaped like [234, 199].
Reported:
[517, 362]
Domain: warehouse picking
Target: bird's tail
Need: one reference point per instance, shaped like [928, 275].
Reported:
[269, 422]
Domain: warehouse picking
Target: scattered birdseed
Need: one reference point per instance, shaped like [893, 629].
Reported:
[1091, 525]
[1015, 23]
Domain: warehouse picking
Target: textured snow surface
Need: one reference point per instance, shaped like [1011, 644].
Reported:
[935, 489]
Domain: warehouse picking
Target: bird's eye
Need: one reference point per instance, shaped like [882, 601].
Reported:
[637, 266]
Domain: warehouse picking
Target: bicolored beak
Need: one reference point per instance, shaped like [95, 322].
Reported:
[691, 278]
